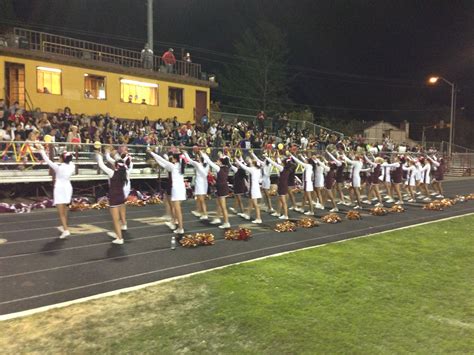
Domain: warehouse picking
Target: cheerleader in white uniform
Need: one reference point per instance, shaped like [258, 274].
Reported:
[255, 175]
[266, 181]
[319, 172]
[175, 165]
[307, 165]
[127, 160]
[356, 166]
[426, 175]
[62, 187]
[200, 185]
[410, 182]
[117, 181]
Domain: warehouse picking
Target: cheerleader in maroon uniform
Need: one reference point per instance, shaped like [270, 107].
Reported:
[329, 182]
[285, 171]
[292, 186]
[394, 172]
[374, 179]
[222, 186]
[438, 175]
[240, 188]
[339, 175]
[117, 181]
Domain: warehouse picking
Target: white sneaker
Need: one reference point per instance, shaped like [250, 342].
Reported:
[112, 235]
[171, 225]
[390, 200]
[387, 197]
[298, 209]
[204, 218]
[357, 207]
[224, 226]
[380, 204]
[399, 203]
[367, 202]
[271, 211]
[179, 231]
[275, 214]
[319, 206]
[65, 234]
[349, 204]
[196, 213]
[309, 213]
[427, 199]
[257, 221]
[292, 208]
[439, 196]
[60, 228]
[216, 221]
[411, 200]
[375, 199]
[418, 193]
[124, 227]
[335, 209]
[232, 209]
[245, 216]
[283, 217]
[118, 241]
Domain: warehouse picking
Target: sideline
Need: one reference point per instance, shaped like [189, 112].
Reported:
[139, 287]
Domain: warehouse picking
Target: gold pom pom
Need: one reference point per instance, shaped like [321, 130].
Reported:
[195, 240]
[286, 226]
[353, 215]
[238, 234]
[396, 209]
[331, 218]
[434, 206]
[378, 211]
[308, 223]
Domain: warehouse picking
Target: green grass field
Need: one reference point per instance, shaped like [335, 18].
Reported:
[406, 291]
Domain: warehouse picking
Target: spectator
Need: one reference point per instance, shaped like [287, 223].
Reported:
[204, 122]
[169, 60]
[261, 120]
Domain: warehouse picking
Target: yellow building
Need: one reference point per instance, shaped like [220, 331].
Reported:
[50, 72]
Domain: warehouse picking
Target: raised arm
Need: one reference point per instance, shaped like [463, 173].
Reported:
[370, 162]
[434, 162]
[347, 160]
[278, 166]
[391, 165]
[243, 166]
[336, 161]
[109, 158]
[252, 154]
[300, 162]
[163, 162]
[103, 167]
[210, 162]
[48, 161]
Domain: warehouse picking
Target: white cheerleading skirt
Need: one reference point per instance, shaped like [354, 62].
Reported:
[266, 182]
[308, 186]
[178, 193]
[127, 188]
[200, 187]
[319, 181]
[62, 192]
[356, 181]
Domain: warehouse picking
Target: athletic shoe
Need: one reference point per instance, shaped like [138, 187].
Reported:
[112, 235]
[380, 204]
[399, 203]
[433, 193]
[271, 211]
[348, 204]
[65, 234]
[335, 209]
[216, 221]
[204, 218]
[375, 199]
[283, 217]
[357, 207]
[340, 202]
[179, 231]
[411, 200]
[390, 200]
[118, 241]
[257, 221]
[427, 199]
[309, 213]
[363, 196]
[439, 196]
[292, 208]
[275, 214]
[124, 227]
[367, 202]
[196, 213]
[224, 226]
[60, 228]
[319, 206]
[298, 209]
[387, 197]
[171, 225]
[245, 216]
[232, 209]
[418, 193]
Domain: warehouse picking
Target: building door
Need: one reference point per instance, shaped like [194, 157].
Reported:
[15, 83]
[201, 105]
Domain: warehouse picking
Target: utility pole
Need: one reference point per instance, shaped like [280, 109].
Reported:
[150, 23]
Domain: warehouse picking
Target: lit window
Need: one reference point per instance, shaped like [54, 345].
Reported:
[175, 98]
[138, 92]
[48, 80]
[94, 87]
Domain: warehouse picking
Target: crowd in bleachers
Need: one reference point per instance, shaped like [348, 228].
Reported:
[65, 126]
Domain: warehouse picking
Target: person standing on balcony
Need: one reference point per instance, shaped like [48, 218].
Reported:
[169, 60]
[261, 120]
[147, 57]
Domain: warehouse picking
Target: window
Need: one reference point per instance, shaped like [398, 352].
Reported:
[48, 80]
[94, 87]
[175, 98]
[137, 92]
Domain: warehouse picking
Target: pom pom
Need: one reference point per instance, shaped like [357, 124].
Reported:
[378, 211]
[286, 226]
[396, 209]
[238, 234]
[308, 223]
[331, 218]
[198, 239]
[353, 215]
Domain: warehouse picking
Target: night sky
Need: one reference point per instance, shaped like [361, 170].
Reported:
[371, 57]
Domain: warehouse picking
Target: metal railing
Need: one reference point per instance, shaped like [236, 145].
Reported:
[86, 50]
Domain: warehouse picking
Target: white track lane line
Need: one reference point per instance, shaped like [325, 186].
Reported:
[138, 287]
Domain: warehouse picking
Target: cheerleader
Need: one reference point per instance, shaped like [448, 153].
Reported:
[392, 177]
[329, 182]
[266, 181]
[292, 187]
[127, 160]
[240, 188]
[282, 187]
[387, 179]
[222, 168]
[438, 175]
[374, 179]
[255, 175]
[410, 183]
[339, 177]
[356, 168]
[319, 172]
[62, 187]
[117, 182]
[201, 185]
[175, 165]
[308, 167]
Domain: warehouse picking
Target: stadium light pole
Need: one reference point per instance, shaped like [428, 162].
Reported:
[150, 23]
[434, 80]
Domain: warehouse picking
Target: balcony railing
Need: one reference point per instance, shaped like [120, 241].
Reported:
[85, 50]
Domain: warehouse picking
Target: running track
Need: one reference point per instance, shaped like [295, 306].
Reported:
[38, 269]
